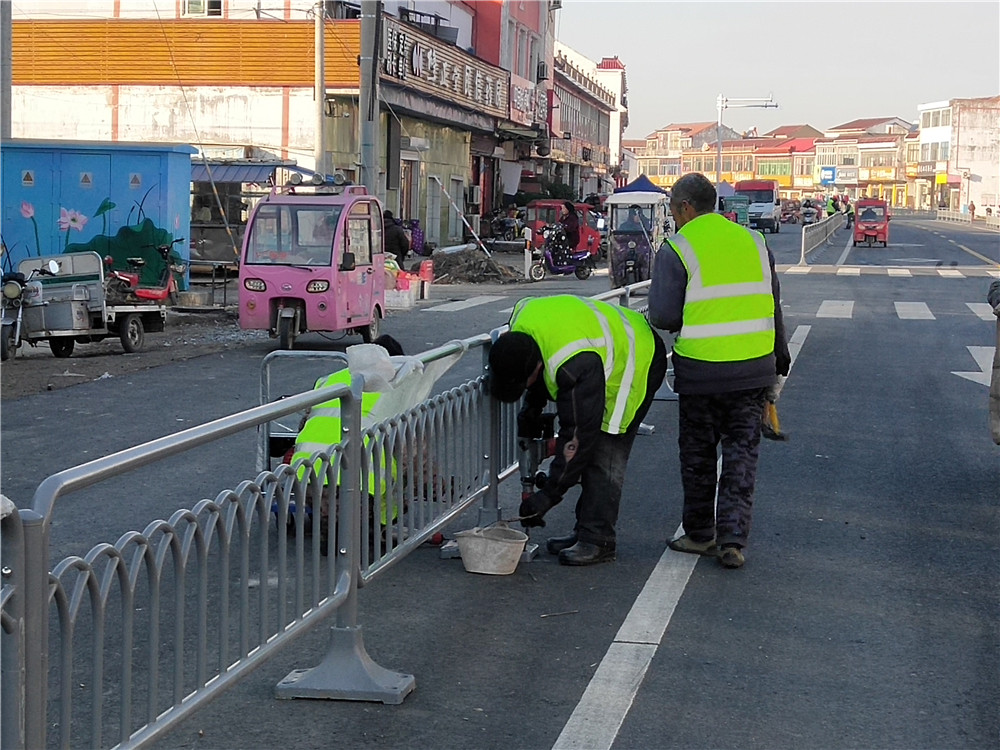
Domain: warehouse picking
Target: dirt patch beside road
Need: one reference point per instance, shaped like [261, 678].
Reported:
[187, 335]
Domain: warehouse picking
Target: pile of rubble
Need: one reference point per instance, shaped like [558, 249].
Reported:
[472, 267]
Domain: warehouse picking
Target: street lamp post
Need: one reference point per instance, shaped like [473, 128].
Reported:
[725, 103]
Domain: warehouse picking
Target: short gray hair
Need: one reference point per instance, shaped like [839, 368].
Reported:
[696, 189]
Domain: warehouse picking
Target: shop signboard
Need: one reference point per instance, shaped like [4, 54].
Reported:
[527, 101]
[827, 175]
[847, 175]
[926, 169]
[419, 61]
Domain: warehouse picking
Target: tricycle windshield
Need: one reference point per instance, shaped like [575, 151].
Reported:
[632, 218]
[293, 235]
[872, 213]
[544, 214]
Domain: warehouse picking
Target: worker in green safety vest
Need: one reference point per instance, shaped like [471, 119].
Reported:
[322, 429]
[716, 288]
[601, 364]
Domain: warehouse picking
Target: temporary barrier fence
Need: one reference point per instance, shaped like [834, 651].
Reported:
[114, 648]
[814, 235]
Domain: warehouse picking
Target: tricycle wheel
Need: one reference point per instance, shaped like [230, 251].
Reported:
[370, 332]
[582, 272]
[286, 333]
[8, 346]
[132, 333]
[61, 347]
[536, 272]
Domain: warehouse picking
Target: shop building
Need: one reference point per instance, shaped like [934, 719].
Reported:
[661, 159]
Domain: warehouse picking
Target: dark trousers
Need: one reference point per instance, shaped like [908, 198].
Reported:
[732, 419]
[602, 478]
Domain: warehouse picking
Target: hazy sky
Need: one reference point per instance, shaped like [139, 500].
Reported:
[825, 63]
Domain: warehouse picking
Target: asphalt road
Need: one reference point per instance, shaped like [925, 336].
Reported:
[865, 615]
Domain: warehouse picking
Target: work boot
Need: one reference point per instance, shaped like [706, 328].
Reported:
[687, 544]
[731, 556]
[557, 544]
[585, 553]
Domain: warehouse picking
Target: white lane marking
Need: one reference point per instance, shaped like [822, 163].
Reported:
[835, 308]
[847, 251]
[463, 304]
[849, 271]
[978, 256]
[994, 272]
[907, 244]
[983, 309]
[950, 273]
[598, 717]
[901, 272]
[913, 311]
[984, 357]
[600, 272]
[798, 269]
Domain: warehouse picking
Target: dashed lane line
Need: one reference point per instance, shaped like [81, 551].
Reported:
[983, 309]
[463, 304]
[913, 311]
[835, 308]
[974, 254]
[598, 717]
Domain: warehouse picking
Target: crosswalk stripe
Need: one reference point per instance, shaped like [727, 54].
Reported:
[994, 273]
[983, 309]
[900, 272]
[913, 311]
[835, 308]
[798, 269]
[463, 304]
[950, 273]
[848, 271]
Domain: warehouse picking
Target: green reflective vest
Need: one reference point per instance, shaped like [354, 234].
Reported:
[830, 208]
[564, 326]
[322, 430]
[728, 302]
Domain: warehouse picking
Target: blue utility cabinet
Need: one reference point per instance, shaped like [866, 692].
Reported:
[113, 198]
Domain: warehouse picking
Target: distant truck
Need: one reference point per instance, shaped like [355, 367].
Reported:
[765, 205]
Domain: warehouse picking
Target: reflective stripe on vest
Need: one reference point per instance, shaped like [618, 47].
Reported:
[564, 326]
[728, 318]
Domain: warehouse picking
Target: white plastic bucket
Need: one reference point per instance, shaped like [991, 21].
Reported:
[494, 550]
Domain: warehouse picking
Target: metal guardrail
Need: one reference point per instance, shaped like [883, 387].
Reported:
[962, 218]
[114, 648]
[814, 235]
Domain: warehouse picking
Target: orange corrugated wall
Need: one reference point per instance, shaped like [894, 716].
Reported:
[188, 52]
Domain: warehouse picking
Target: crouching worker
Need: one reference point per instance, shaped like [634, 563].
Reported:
[601, 364]
[321, 429]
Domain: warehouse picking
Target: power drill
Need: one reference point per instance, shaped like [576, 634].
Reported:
[534, 450]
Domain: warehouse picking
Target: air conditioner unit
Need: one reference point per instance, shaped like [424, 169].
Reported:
[542, 72]
[555, 4]
[474, 195]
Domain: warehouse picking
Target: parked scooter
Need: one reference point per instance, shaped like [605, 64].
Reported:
[504, 227]
[15, 288]
[556, 257]
[122, 287]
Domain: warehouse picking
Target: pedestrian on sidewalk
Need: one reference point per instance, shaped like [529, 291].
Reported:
[397, 244]
[601, 364]
[972, 211]
[715, 284]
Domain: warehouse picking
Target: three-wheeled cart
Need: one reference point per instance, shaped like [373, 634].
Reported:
[71, 307]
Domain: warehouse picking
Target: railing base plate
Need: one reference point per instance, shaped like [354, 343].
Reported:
[347, 673]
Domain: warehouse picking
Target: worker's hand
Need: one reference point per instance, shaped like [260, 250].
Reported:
[534, 508]
[529, 423]
[772, 393]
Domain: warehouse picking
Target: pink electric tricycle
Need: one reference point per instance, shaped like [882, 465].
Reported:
[313, 262]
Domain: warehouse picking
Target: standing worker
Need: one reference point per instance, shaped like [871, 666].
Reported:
[715, 284]
[832, 206]
[601, 364]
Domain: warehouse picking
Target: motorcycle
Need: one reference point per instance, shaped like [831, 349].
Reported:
[504, 227]
[121, 287]
[556, 257]
[15, 289]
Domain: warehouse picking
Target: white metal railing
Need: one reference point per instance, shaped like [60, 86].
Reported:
[814, 235]
[962, 218]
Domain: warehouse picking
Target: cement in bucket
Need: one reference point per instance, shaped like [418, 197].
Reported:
[494, 550]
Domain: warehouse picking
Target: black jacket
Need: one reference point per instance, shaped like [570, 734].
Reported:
[580, 406]
[396, 241]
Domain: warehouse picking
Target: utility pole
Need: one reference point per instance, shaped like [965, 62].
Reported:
[6, 41]
[724, 103]
[369, 99]
[319, 86]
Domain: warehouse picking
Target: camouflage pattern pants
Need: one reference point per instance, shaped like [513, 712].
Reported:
[706, 421]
